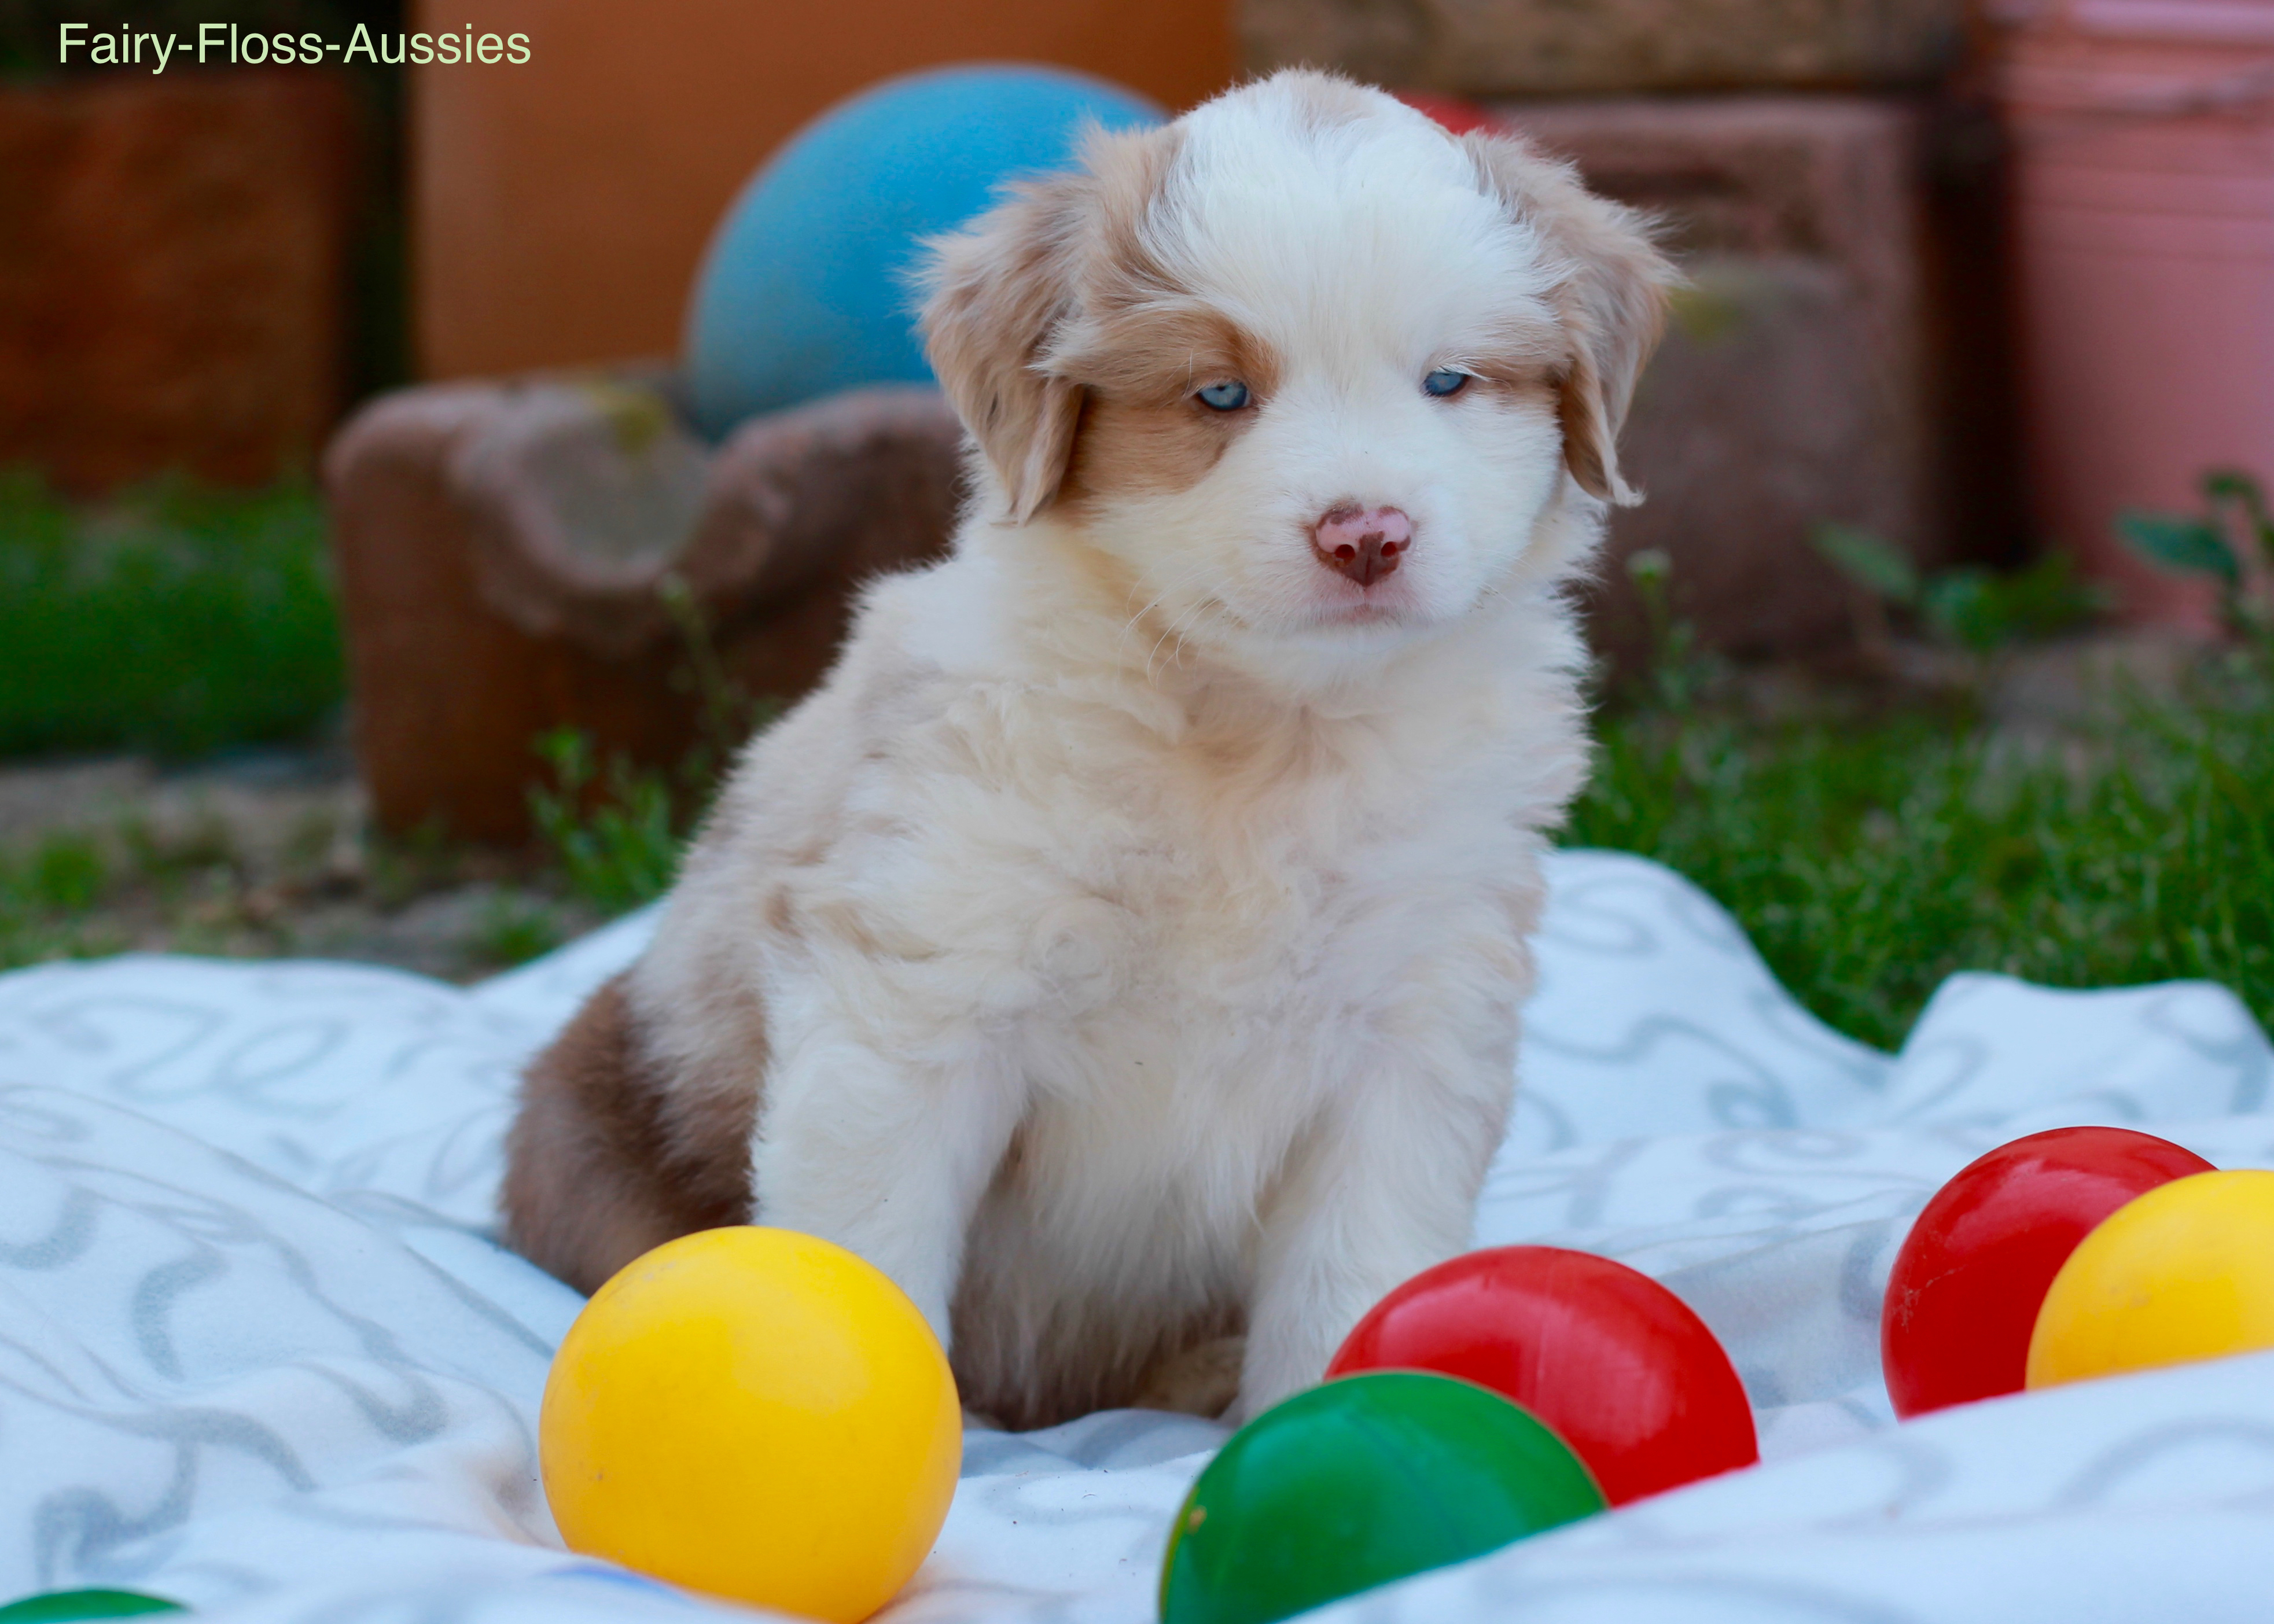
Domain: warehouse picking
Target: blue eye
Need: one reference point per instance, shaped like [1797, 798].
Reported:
[1225, 397]
[1445, 381]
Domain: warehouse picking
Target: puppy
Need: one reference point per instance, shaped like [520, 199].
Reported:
[1122, 948]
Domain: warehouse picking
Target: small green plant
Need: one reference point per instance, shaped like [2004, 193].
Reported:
[615, 830]
[47, 891]
[1680, 672]
[727, 714]
[513, 931]
[1969, 608]
[2222, 543]
[616, 827]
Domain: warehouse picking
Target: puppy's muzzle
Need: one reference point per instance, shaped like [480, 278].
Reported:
[1365, 543]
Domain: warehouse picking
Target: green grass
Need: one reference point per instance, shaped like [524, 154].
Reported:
[175, 619]
[1869, 860]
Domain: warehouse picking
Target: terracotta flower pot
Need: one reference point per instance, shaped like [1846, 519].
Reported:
[2143, 136]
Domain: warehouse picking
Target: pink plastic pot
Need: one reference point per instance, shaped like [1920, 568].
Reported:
[2143, 132]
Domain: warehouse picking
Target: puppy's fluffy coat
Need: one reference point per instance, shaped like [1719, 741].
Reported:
[1122, 948]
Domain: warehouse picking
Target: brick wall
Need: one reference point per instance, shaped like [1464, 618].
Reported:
[173, 274]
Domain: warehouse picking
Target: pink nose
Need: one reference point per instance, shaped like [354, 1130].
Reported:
[1365, 543]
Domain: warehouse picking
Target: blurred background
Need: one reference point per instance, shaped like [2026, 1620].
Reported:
[416, 475]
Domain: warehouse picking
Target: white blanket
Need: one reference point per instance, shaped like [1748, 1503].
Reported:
[257, 1353]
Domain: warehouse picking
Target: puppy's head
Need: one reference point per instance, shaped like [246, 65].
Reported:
[1312, 369]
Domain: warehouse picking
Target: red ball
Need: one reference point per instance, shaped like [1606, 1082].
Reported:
[1458, 116]
[1615, 1363]
[1974, 1268]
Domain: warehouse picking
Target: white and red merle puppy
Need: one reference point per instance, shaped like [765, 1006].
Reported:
[1122, 948]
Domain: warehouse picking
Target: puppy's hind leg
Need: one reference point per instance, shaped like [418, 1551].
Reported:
[599, 1169]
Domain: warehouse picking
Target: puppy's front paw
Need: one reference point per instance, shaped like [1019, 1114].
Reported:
[1203, 1380]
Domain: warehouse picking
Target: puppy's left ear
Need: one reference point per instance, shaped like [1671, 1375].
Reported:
[995, 294]
[1610, 290]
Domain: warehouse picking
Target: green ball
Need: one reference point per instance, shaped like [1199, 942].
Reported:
[70, 1606]
[1367, 1479]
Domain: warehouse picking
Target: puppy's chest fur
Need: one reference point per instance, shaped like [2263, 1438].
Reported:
[1184, 947]
[1138, 911]
[1196, 969]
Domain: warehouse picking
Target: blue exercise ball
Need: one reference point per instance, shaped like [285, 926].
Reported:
[805, 288]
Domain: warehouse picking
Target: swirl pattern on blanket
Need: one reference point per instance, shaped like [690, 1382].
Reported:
[259, 1353]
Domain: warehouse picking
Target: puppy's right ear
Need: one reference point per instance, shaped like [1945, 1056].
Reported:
[997, 292]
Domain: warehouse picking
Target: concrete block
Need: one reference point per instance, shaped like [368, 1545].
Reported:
[1795, 384]
[502, 546]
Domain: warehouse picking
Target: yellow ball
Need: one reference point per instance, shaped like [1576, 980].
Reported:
[756, 1414]
[2184, 1271]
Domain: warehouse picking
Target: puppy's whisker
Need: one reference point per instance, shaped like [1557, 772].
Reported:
[1193, 575]
[1180, 623]
[1177, 626]
[1131, 625]
[1156, 601]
